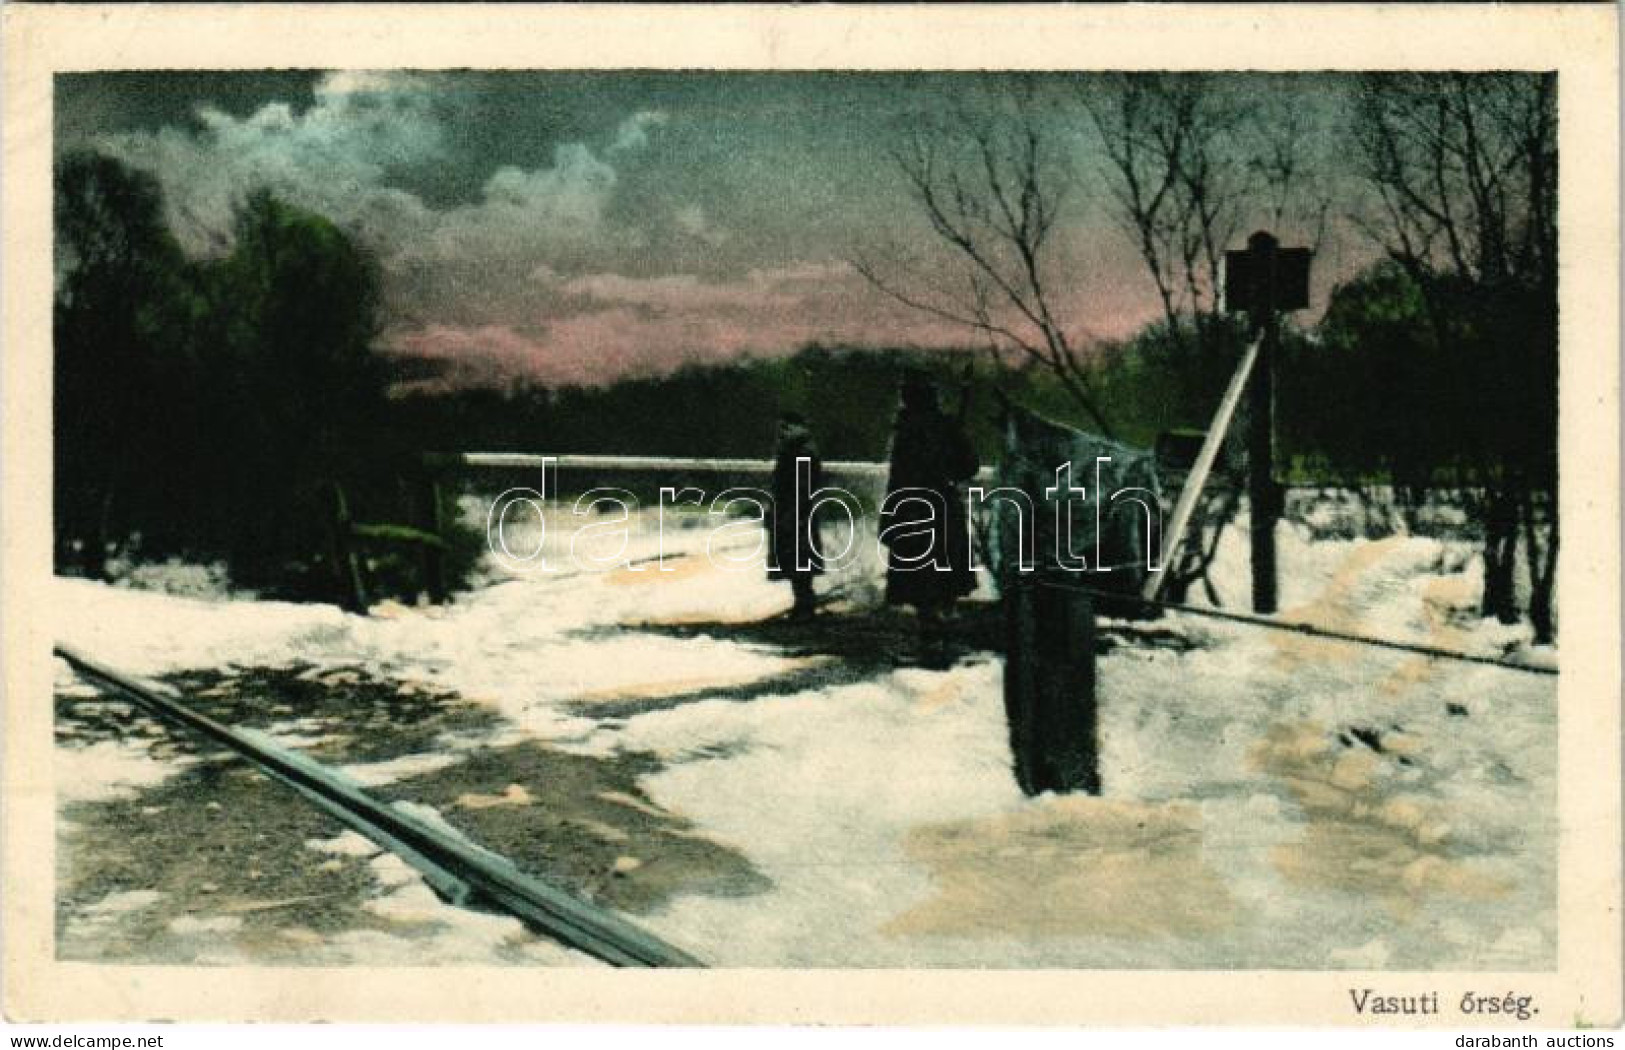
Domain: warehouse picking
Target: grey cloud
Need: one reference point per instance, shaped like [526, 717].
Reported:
[339, 157]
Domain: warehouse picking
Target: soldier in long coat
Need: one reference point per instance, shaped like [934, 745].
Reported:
[792, 549]
[928, 546]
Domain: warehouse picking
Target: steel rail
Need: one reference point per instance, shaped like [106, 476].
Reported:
[460, 869]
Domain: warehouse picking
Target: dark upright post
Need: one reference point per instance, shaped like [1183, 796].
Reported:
[1262, 497]
[1265, 280]
[430, 521]
[1049, 688]
[346, 563]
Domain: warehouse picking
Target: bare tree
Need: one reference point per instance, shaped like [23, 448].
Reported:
[1188, 160]
[1175, 191]
[1463, 173]
[990, 179]
[1465, 169]
[1287, 157]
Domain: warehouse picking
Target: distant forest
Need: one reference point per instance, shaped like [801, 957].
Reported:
[1363, 398]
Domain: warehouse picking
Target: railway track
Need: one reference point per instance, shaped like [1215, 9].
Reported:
[463, 873]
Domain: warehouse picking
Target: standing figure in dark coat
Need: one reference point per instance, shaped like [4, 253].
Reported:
[928, 546]
[792, 549]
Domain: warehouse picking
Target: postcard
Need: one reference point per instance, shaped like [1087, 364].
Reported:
[900, 515]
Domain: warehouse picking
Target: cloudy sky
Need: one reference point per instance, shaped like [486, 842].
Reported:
[576, 227]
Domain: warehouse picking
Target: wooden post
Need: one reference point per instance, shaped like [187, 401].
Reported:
[346, 566]
[1262, 494]
[1264, 280]
[1049, 687]
[432, 559]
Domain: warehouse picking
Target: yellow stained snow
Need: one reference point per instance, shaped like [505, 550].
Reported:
[621, 798]
[1333, 610]
[1067, 867]
[677, 567]
[1441, 596]
[512, 795]
[390, 609]
[1362, 836]
[706, 618]
[939, 694]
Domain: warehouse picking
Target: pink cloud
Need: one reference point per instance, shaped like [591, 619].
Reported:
[488, 355]
[607, 326]
[679, 292]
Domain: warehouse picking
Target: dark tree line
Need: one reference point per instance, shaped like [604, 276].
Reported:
[212, 408]
[1463, 169]
[848, 394]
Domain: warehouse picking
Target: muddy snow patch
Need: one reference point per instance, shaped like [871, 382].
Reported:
[1088, 866]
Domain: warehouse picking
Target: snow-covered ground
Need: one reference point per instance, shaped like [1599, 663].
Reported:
[1270, 800]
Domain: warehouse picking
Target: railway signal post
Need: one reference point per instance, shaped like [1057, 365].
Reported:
[1263, 280]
